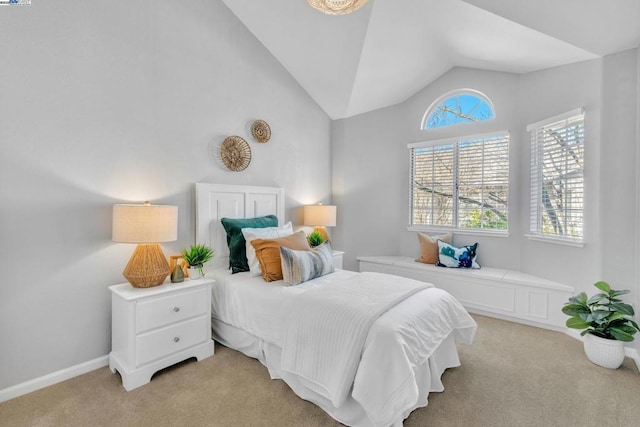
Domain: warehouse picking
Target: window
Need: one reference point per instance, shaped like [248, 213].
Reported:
[557, 177]
[460, 183]
[463, 106]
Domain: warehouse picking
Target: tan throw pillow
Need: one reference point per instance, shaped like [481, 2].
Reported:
[429, 247]
[268, 253]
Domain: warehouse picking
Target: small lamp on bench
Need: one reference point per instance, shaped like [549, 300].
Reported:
[321, 216]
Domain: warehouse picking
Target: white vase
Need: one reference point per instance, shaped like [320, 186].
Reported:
[603, 352]
[194, 273]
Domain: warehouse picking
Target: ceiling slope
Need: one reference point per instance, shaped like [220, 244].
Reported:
[389, 49]
[601, 27]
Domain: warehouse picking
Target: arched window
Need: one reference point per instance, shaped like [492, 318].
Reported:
[460, 106]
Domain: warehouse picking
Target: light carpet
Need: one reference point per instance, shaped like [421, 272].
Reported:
[512, 375]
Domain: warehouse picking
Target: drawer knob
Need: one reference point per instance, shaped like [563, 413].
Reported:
[176, 339]
[176, 309]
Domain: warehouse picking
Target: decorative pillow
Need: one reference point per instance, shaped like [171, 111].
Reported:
[262, 233]
[300, 266]
[429, 247]
[235, 239]
[268, 253]
[450, 256]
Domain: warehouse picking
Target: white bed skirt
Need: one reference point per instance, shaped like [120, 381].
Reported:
[351, 412]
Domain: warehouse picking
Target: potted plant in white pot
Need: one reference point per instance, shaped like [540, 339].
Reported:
[606, 323]
[196, 256]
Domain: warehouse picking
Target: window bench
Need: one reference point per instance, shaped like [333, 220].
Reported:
[505, 294]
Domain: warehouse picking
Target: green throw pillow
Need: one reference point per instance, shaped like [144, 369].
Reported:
[235, 239]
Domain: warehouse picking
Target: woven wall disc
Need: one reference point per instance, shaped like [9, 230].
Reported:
[261, 131]
[235, 153]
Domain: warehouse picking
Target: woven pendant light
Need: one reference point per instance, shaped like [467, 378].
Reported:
[337, 7]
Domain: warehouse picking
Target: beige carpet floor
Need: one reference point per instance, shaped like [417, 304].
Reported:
[513, 375]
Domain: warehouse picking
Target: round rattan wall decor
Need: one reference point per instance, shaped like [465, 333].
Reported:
[235, 153]
[261, 131]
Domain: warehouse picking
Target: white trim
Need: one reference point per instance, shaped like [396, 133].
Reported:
[52, 378]
[463, 91]
[555, 240]
[559, 117]
[471, 232]
[445, 141]
[514, 319]
[634, 355]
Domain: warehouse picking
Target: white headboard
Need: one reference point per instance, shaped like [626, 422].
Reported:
[216, 201]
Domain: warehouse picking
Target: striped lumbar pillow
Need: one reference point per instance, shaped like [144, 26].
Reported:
[300, 266]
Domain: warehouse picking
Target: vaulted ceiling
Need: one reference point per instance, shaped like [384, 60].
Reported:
[390, 49]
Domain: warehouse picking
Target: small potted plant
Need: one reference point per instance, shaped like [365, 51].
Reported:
[315, 239]
[196, 256]
[606, 323]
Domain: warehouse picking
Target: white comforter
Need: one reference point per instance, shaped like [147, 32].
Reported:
[400, 340]
[327, 329]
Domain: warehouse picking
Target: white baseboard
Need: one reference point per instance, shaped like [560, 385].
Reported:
[633, 354]
[514, 319]
[52, 378]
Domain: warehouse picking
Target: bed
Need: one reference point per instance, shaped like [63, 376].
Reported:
[371, 369]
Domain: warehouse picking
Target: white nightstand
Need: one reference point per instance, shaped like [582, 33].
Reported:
[337, 259]
[153, 328]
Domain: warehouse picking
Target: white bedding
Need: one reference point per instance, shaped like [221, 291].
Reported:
[328, 326]
[395, 360]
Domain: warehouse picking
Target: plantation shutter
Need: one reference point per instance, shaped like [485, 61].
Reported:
[557, 176]
[483, 182]
[432, 185]
[460, 183]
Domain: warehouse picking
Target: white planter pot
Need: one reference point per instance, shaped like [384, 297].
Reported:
[194, 273]
[606, 353]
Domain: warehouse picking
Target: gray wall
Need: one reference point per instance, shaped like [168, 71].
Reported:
[541, 95]
[637, 264]
[371, 169]
[108, 102]
[618, 169]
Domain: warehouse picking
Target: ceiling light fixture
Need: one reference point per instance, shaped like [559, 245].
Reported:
[337, 7]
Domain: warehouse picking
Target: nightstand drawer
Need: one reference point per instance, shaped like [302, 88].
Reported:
[157, 344]
[169, 309]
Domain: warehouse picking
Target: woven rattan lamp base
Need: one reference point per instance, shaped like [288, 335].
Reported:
[147, 266]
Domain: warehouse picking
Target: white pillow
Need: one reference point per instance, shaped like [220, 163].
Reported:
[262, 233]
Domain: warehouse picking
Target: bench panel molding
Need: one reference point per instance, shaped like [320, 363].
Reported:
[505, 294]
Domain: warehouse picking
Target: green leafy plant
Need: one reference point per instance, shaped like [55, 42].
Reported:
[315, 239]
[603, 315]
[197, 256]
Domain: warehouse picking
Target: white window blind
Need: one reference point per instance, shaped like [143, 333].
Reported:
[461, 183]
[557, 177]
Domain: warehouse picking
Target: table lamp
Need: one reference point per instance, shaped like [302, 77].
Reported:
[146, 225]
[321, 216]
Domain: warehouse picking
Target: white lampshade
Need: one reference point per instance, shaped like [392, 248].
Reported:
[145, 223]
[324, 215]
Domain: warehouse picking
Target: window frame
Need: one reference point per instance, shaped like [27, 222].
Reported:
[455, 141]
[450, 94]
[536, 211]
